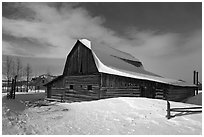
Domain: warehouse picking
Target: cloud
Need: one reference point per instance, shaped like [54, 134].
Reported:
[59, 28]
[153, 44]
[51, 30]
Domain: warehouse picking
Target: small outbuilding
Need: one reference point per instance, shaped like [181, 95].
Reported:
[96, 71]
[38, 82]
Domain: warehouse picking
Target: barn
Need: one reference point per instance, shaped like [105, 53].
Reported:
[97, 71]
[38, 82]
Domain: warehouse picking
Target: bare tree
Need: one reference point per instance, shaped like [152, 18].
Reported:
[19, 71]
[28, 72]
[13, 68]
[8, 68]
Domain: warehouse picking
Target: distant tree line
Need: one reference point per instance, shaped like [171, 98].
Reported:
[14, 67]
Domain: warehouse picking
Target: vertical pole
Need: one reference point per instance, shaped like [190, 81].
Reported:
[8, 86]
[197, 83]
[168, 116]
[14, 91]
[168, 110]
[194, 75]
[194, 79]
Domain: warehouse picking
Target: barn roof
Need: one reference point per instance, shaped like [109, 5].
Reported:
[53, 80]
[111, 61]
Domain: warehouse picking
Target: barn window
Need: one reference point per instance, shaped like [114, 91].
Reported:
[71, 87]
[43, 81]
[89, 87]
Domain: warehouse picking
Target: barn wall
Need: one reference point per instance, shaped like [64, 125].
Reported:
[176, 93]
[80, 61]
[117, 86]
[84, 87]
[106, 86]
[114, 81]
[39, 85]
[56, 88]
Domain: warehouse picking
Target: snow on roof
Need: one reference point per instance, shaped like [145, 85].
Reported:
[111, 61]
[86, 42]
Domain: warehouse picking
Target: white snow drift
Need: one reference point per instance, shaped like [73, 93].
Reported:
[118, 116]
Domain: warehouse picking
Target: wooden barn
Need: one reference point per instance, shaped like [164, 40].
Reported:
[96, 71]
[38, 82]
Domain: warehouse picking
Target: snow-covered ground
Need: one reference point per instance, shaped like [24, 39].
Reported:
[118, 116]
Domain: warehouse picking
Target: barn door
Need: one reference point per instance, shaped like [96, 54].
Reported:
[49, 91]
[145, 92]
[142, 89]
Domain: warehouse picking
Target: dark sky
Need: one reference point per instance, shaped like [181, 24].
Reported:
[174, 17]
[166, 37]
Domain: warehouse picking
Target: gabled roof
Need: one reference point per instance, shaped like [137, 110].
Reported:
[53, 80]
[111, 61]
[118, 60]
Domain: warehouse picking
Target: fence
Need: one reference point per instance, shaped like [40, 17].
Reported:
[187, 110]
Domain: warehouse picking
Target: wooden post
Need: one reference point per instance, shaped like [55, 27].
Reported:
[14, 87]
[168, 110]
[194, 77]
[8, 85]
[197, 83]
[168, 116]
[195, 80]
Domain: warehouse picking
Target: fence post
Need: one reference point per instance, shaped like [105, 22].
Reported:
[197, 83]
[14, 87]
[168, 116]
[168, 110]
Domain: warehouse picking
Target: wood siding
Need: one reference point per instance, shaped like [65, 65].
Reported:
[120, 92]
[180, 93]
[115, 86]
[80, 61]
[80, 87]
[110, 81]
[159, 94]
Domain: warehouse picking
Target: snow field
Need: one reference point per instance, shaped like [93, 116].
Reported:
[114, 116]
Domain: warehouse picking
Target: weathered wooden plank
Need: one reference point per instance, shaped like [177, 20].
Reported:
[120, 88]
[159, 93]
[180, 90]
[132, 93]
[181, 94]
[81, 91]
[159, 90]
[159, 97]
[56, 88]
[123, 95]
[81, 96]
